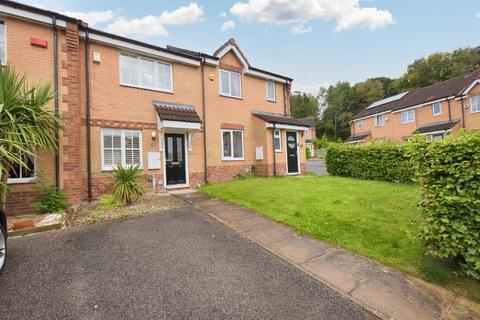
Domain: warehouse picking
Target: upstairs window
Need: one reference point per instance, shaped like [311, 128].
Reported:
[379, 120]
[407, 116]
[436, 109]
[277, 140]
[232, 145]
[145, 73]
[271, 91]
[121, 147]
[3, 43]
[360, 124]
[230, 84]
[475, 104]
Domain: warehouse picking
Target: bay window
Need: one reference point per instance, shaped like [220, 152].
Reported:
[121, 147]
[232, 145]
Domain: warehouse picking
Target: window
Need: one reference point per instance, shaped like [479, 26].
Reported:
[20, 174]
[121, 147]
[379, 120]
[3, 43]
[360, 124]
[145, 73]
[407, 116]
[271, 91]
[232, 145]
[436, 108]
[406, 139]
[277, 140]
[475, 104]
[437, 137]
[230, 84]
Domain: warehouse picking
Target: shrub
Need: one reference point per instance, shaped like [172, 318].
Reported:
[449, 175]
[108, 202]
[373, 161]
[51, 200]
[127, 185]
[308, 154]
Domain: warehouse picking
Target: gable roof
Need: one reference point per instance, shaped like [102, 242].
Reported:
[381, 106]
[231, 45]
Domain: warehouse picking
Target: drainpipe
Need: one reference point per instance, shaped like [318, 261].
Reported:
[449, 111]
[463, 112]
[273, 149]
[205, 161]
[284, 100]
[87, 114]
[55, 101]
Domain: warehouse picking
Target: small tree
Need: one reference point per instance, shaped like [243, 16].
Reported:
[26, 124]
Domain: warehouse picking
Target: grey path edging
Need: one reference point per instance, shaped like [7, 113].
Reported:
[381, 290]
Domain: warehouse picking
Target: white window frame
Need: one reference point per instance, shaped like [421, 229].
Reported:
[232, 158]
[439, 104]
[376, 120]
[274, 98]
[122, 146]
[229, 94]
[277, 134]
[360, 124]
[477, 105]
[3, 63]
[25, 180]
[407, 112]
[430, 136]
[156, 73]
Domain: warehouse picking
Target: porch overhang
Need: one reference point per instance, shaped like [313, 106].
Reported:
[280, 121]
[176, 116]
[436, 128]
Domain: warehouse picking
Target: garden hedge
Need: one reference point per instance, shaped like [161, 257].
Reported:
[449, 175]
[374, 161]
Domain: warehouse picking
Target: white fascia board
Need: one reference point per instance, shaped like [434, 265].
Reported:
[371, 116]
[354, 142]
[434, 132]
[470, 87]
[180, 125]
[31, 15]
[211, 62]
[420, 105]
[286, 126]
[127, 45]
[237, 53]
[264, 76]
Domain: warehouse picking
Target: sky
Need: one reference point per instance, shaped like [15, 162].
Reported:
[315, 42]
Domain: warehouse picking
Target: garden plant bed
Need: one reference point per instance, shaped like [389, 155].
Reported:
[146, 204]
[378, 220]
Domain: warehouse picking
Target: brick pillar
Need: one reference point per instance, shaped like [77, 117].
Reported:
[70, 156]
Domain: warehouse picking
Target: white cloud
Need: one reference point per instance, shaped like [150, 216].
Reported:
[300, 29]
[223, 15]
[477, 15]
[227, 25]
[155, 25]
[308, 88]
[347, 13]
[92, 17]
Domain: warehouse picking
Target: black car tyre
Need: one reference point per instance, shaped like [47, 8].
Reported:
[3, 248]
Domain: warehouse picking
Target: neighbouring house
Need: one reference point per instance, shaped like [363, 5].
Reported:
[310, 135]
[185, 117]
[434, 111]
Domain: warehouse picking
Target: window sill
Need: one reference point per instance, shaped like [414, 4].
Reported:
[21, 181]
[146, 88]
[437, 114]
[237, 159]
[227, 96]
[272, 101]
[478, 111]
[278, 151]
[407, 122]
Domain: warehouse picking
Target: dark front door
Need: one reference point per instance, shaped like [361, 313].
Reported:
[292, 152]
[175, 158]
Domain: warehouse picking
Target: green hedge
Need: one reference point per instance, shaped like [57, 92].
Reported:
[374, 161]
[449, 175]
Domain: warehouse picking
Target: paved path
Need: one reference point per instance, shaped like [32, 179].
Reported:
[175, 265]
[317, 166]
[381, 290]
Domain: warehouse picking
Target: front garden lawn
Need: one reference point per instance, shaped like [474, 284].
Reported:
[375, 219]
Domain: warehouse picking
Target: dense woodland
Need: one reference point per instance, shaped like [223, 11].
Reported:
[339, 102]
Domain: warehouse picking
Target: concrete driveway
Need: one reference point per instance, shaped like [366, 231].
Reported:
[175, 265]
[317, 166]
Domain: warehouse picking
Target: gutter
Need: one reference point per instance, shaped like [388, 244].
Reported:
[56, 104]
[87, 113]
[205, 161]
[274, 155]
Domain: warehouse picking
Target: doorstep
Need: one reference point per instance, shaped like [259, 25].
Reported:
[379, 289]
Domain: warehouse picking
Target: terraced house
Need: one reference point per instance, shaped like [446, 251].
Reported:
[435, 111]
[185, 117]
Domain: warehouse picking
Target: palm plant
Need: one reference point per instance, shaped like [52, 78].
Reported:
[26, 124]
[127, 185]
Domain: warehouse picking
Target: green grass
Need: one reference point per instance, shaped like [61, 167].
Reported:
[375, 219]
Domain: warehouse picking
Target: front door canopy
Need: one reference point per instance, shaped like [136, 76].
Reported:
[175, 115]
[281, 121]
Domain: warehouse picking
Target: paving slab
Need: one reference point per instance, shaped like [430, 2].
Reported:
[194, 197]
[270, 235]
[235, 214]
[252, 223]
[300, 249]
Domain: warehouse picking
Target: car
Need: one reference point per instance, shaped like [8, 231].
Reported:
[3, 240]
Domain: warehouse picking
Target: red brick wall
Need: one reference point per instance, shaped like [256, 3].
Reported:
[21, 202]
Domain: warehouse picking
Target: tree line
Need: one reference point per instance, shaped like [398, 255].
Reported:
[333, 107]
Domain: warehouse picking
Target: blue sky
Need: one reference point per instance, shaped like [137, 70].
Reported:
[316, 42]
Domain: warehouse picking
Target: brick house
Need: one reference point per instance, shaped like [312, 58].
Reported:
[310, 135]
[184, 117]
[435, 111]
